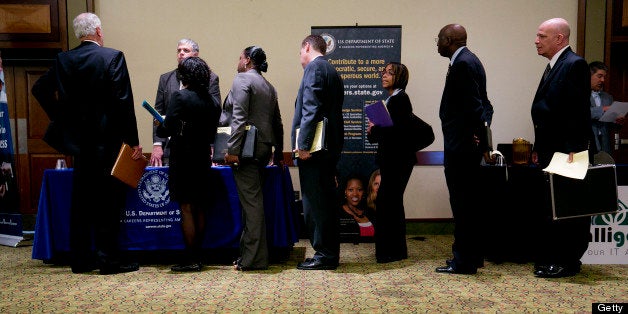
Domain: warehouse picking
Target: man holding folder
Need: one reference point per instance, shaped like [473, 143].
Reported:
[88, 92]
[562, 123]
[321, 95]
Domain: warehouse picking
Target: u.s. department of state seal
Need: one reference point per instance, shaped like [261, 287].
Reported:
[331, 42]
[153, 189]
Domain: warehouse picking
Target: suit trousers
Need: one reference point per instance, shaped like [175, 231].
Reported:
[97, 202]
[249, 178]
[318, 189]
[463, 176]
[562, 241]
[390, 217]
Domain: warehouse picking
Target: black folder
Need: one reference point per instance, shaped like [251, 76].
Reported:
[250, 140]
[223, 134]
[220, 144]
[596, 194]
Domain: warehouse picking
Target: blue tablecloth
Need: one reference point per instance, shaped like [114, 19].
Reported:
[151, 221]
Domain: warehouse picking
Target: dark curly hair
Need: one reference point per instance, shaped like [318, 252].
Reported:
[194, 73]
[258, 57]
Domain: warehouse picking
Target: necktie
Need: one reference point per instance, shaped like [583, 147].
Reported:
[597, 99]
[547, 71]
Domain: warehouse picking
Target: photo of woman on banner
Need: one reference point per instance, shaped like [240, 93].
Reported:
[356, 220]
[373, 187]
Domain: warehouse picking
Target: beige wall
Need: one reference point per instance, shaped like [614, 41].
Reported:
[595, 30]
[500, 32]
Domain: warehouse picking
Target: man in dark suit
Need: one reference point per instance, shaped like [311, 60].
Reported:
[464, 108]
[600, 102]
[168, 83]
[88, 92]
[562, 123]
[321, 95]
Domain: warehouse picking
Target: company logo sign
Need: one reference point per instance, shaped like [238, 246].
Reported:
[608, 238]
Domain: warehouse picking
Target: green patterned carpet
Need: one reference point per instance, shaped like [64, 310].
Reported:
[359, 285]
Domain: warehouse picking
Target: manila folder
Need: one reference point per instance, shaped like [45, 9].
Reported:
[128, 170]
[319, 142]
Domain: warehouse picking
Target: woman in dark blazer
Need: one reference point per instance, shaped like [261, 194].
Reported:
[191, 121]
[396, 160]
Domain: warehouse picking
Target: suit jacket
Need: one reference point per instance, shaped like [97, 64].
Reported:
[168, 84]
[252, 99]
[601, 130]
[605, 100]
[321, 94]
[464, 106]
[392, 141]
[561, 108]
[191, 123]
[88, 90]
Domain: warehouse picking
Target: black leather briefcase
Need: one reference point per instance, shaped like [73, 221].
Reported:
[596, 194]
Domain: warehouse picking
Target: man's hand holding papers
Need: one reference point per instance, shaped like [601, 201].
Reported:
[576, 169]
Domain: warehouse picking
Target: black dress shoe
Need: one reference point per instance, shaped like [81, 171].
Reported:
[187, 267]
[479, 264]
[239, 267]
[389, 259]
[81, 269]
[450, 270]
[316, 264]
[556, 271]
[111, 269]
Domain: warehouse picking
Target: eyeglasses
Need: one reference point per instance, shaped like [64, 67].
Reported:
[390, 72]
[436, 39]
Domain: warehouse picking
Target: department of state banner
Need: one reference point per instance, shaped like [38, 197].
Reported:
[8, 181]
[359, 54]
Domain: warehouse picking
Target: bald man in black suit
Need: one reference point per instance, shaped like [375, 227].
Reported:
[464, 109]
[562, 123]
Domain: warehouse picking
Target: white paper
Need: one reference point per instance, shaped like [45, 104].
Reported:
[576, 169]
[616, 110]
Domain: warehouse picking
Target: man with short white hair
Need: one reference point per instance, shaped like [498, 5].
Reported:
[87, 93]
[168, 83]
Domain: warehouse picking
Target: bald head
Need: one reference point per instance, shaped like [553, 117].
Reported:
[559, 26]
[552, 36]
[450, 38]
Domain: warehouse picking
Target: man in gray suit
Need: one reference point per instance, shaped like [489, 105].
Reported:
[600, 101]
[252, 100]
[321, 95]
[168, 83]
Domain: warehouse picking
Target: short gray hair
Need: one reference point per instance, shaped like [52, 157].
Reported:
[85, 24]
[187, 41]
